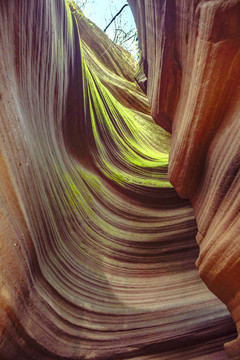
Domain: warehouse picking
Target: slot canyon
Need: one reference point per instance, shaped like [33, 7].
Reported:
[120, 189]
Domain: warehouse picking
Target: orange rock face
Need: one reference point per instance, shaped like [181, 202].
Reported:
[97, 250]
[203, 39]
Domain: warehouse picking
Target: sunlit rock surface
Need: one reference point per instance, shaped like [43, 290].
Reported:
[97, 250]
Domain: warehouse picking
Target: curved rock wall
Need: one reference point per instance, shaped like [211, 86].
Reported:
[203, 38]
[97, 250]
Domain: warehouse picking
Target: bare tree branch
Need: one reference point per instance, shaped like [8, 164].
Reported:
[115, 17]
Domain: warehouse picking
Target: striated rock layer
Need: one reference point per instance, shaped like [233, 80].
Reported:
[97, 250]
[196, 94]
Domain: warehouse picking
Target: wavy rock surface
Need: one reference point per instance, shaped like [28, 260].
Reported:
[196, 94]
[97, 250]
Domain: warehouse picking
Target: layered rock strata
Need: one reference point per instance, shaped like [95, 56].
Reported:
[97, 250]
[196, 56]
